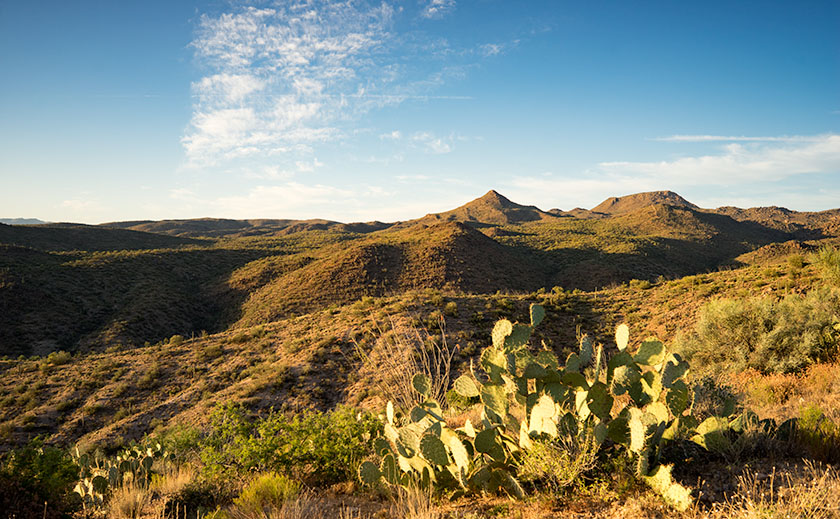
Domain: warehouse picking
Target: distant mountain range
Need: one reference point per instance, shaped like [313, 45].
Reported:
[69, 286]
[22, 221]
[492, 209]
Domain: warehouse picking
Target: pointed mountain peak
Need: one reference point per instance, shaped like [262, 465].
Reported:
[629, 203]
[491, 209]
[494, 196]
[493, 199]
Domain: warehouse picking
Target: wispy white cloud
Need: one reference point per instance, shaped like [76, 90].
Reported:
[305, 166]
[437, 8]
[431, 143]
[761, 161]
[736, 165]
[393, 136]
[285, 79]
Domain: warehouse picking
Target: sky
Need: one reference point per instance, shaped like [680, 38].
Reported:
[389, 110]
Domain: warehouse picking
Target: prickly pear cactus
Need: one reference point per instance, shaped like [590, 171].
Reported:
[575, 398]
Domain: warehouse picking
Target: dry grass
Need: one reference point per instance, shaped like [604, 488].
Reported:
[414, 503]
[561, 462]
[173, 481]
[305, 505]
[780, 396]
[128, 502]
[813, 494]
[400, 352]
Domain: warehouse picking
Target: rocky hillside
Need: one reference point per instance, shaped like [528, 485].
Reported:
[79, 288]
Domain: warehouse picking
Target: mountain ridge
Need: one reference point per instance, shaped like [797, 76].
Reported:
[78, 287]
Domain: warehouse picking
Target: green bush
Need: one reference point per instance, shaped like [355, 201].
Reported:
[771, 336]
[34, 475]
[796, 261]
[58, 358]
[312, 446]
[828, 261]
[451, 309]
[817, 434]
[265, 492]
[641, 284]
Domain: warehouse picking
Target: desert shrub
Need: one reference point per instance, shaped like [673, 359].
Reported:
[209, 352]
[713, 398]
[560, 462]
[451, 309]
[175, 340]
[150, 378]
[767, 389]
[200, 496]
[400, 351]
[127, 501]
[817, 435]
[312, 446]
[57, 358]
[641, 284]
[771, 336]
[827, 260]
[263, 493]
[796, 261]
[240, 337]
[34, 475]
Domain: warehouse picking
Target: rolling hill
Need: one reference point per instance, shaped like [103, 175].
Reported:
[87, 288]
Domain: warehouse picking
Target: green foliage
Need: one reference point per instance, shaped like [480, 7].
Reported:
[827, 260]
[796, 261]
[265, 492]
[176, 340]
[451, 309]
[771, 336]
[641, 284]
[57, 358]
[541, 421]
[817, 434]
[312, 446]
[34, 475]
[209, 352]
[150, 378]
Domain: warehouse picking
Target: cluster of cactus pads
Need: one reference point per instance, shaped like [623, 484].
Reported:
[98, 476]
[526, 397]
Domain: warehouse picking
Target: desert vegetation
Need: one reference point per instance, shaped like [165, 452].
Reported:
[493, 361]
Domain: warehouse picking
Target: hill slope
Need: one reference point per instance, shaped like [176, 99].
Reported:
[90, 287]
[221, 227]
[490, 209]
[69, 237]
[449, 256]
[629, 203]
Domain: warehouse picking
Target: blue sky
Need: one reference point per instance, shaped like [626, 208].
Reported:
[357, 111]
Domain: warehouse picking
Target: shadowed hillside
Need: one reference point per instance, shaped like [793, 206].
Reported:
[69, 237]
[220, 227]
[77, 287]
[449, 256]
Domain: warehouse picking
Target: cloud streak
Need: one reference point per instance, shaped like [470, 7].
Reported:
[739, 163]
[437, 8]
[284, 79]
[754, 163]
